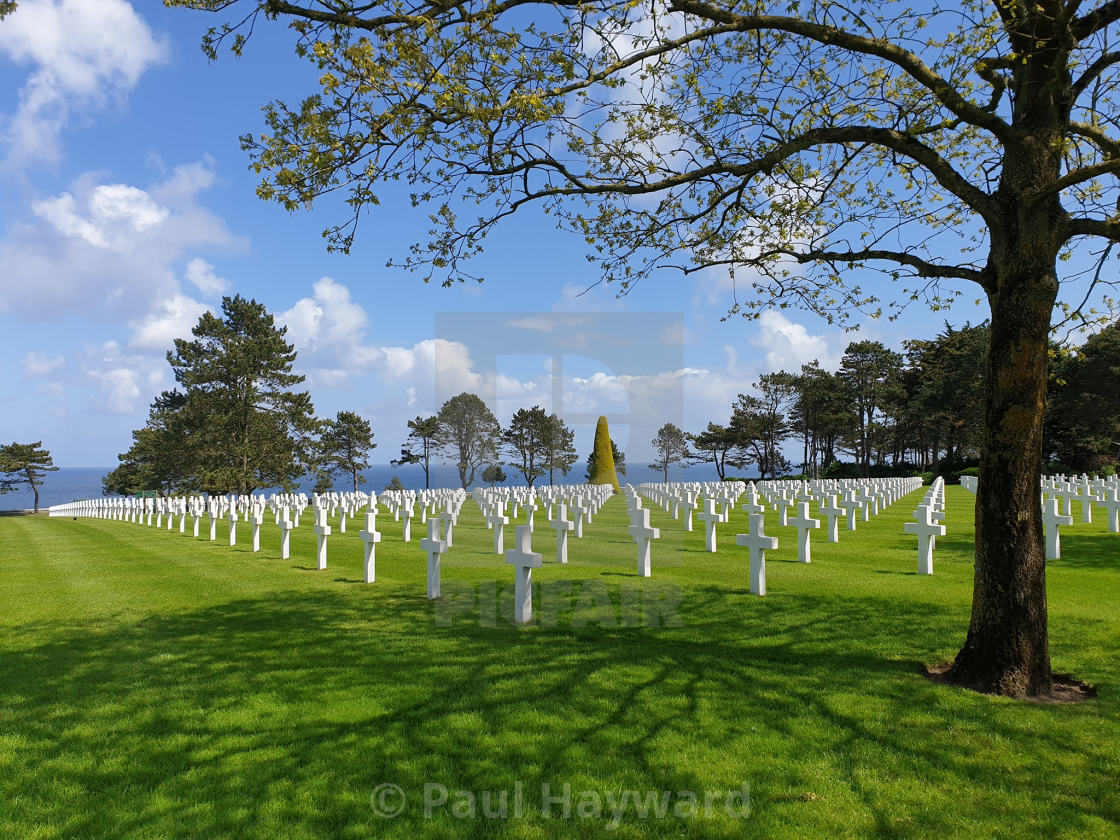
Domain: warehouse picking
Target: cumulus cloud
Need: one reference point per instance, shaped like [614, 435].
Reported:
[110, 251]
[789, 345]
[201, 275]
[82, 55]
[174, 318]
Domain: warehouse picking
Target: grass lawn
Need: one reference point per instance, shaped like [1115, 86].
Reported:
[157, 686]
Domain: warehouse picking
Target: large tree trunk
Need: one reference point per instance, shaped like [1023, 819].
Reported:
[1007, 649]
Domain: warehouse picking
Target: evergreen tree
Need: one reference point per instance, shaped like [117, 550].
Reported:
[671, 446]
[526, 440]
[24, 463]
[559, 447]
[494, 474]
[722, 446]
[421, 446]
[344, 447]
[234, 424]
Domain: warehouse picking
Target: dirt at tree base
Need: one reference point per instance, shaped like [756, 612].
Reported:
[1066, 688]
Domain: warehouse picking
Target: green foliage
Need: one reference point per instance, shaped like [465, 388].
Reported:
[234, 424]
[722, 446]
[527, 442]
[469, 434]
[1083, 412]
[601, 464]
[24, 463]
[671, 446]
[421, 445]
[395, 483]
[344, 447]
[494, 474]
[762, 422]
[559, 447]
[873, 376]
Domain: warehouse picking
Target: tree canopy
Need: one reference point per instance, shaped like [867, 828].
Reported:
[344, 447]
[469, 434]
[24, 463]
[234, 424]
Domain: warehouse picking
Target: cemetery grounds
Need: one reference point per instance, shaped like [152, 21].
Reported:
[158, 686]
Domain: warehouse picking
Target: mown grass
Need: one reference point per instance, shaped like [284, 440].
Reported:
[153, 685]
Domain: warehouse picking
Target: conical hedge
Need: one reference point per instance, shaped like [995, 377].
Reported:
[604, 458]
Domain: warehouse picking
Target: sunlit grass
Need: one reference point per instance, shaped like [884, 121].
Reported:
[153, 685]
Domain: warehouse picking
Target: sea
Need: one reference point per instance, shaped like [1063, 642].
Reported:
[71, 484]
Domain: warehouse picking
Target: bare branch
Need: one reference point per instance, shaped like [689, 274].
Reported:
[1096, 20]
[923, 268]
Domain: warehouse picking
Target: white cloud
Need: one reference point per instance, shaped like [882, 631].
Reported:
[201, 274]
[115, 215]
[175, 318]
[37, 365]
[109, 251]
[83, 54]
[789, 345]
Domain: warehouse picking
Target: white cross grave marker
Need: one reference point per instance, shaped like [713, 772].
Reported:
[758, 544]
[524, 560]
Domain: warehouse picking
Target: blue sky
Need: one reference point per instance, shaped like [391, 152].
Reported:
[127, 209]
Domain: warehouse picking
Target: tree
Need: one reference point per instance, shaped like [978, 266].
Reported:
[468, 434]
[820, 414]
[761, 421]
[344, 447]
[234, 424]
[559, 447]
[24, 463]
[421, 445]
[164, 454]
[671, 446]
[526, 441]
[872, 374]
[494, 474]
[722, 446]
[970, 143]
[395, 485]
[605, 461]
[1083, 419]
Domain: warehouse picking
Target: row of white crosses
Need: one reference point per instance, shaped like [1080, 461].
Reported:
[1104, 491]
[716, 500]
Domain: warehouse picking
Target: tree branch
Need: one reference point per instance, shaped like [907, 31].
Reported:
[945, 92]
[1104, 228]
[923, 268]
[1109, 166]
[1095, 135]
[1096, 20]
[1103, 62]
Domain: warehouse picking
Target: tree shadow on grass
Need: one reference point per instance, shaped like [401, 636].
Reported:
[278, 716]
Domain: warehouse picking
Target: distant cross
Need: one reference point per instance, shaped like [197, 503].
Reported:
[562, 525]
[710, 517]
[435, 547]
[322, 531]
[371, 537]
[833, 512]
[1052, 519]
[285, 524]
[804, 525]
[498, 521]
